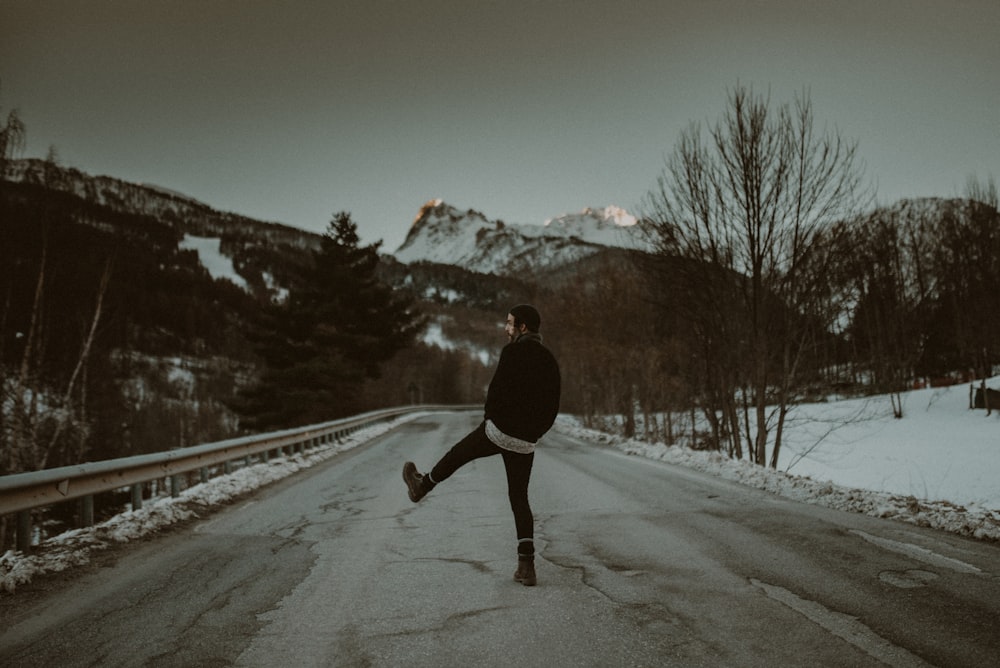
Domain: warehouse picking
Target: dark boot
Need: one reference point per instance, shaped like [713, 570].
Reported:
[416, 484]
[525, 573]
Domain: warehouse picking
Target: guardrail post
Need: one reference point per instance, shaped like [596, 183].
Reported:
[87, 510]
[203, 474]
[227, 467]
[24, 531]
[137, 496]
[175, 486]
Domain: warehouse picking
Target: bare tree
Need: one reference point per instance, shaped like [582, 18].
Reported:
[968, 263]
[66, 411]
[887, 265]
[12, 139]
[748, 208]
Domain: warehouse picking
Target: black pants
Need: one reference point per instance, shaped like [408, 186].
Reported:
[475, 446]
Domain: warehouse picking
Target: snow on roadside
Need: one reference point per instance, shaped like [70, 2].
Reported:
[74, 548]
[974, 520]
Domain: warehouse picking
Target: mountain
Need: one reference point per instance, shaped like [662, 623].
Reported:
[184, 214]
[467, 239]
[263, 258]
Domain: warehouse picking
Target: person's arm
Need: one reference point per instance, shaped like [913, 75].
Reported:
[502, 388]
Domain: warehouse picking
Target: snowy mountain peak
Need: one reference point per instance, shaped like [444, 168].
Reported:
[609, 215]
[438, 214]
[610, 226]
[443, 234]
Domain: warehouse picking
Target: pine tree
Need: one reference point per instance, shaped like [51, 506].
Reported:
[335, 332]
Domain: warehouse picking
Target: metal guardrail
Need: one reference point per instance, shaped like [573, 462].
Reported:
[23, 492]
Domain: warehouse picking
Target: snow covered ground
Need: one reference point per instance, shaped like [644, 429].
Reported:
[210, 255]
[434, 336]
[937, 467]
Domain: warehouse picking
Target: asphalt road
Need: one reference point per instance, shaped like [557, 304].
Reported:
[640, 564]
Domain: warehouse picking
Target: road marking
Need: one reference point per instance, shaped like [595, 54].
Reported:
[845, 627]
[919, 553]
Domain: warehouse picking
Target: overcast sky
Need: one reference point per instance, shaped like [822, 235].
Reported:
[290, 111]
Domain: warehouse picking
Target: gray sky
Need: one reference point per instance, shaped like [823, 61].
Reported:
[290, 111]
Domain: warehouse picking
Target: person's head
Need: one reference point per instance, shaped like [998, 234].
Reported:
[522, 318]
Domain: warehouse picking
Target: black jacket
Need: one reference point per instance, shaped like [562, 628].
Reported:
[523, 397]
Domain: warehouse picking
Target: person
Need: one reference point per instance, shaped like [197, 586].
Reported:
[522, 402]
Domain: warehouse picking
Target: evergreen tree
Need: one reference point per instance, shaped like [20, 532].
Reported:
[12, 139]
[334, 333]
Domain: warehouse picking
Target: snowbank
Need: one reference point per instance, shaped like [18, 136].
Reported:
[936, 467]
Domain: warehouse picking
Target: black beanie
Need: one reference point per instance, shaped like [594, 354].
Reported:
[527, 314]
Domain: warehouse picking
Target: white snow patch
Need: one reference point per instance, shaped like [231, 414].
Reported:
[448, 295]
[279, 294]
[210, 255]
[434, 336]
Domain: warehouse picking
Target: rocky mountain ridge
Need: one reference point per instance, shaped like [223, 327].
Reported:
[183, 213]
[442, 234]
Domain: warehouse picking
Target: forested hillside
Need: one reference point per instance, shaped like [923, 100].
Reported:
[116, 340]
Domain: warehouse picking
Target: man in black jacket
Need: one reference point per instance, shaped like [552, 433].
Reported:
[521, 404]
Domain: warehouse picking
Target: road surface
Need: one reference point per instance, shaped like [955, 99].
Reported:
[640, 564]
